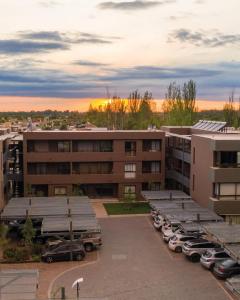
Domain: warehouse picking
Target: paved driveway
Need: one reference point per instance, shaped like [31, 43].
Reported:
[134, 263]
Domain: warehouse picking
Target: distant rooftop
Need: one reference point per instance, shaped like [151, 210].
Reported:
[210, 125]
[221, 137]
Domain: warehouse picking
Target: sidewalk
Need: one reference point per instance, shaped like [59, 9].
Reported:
[99, 210]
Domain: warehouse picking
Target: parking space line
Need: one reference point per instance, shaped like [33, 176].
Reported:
[223, 288]
[164, 246]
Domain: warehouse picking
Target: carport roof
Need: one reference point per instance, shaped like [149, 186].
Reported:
[39, 207]
[233, 284]
[164, 195]
[184, 211]
[18, 284]
[224, 233]
[79, 223]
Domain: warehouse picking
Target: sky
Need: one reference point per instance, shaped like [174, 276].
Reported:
[63, 54]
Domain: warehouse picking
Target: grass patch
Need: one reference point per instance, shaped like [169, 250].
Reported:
[127, 208]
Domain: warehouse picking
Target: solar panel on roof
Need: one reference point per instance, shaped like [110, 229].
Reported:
[209, 125]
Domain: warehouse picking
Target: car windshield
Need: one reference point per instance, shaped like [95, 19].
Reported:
[174, 238]
[175, 229]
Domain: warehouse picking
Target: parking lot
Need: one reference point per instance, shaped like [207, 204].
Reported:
[134, 263]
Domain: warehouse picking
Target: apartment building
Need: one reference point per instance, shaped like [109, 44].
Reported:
[178, 151]
[215, 173]
[98, 163]
[10, 167]
[204, 161]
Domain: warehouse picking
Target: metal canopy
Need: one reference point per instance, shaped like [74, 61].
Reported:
[233, 284]
[165, 195]
[79, 224]
[224, 233]
[233, 250]
[40, 207]
[184, 211]
[18, 284]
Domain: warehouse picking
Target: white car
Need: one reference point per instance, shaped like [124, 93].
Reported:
[170, 233]
[158, 222]
[176, 242]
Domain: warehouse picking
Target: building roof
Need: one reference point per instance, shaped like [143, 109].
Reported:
[221, 137]
[18, 284]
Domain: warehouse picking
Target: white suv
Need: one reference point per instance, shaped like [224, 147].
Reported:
[176, 242]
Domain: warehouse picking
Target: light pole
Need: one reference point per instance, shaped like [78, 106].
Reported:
[77, 284]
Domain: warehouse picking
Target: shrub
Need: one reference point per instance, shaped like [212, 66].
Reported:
[36, 258]
[16, 255]
[36, 249]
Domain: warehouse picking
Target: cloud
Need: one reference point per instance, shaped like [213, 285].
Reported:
[132, 5]
[159, 73]
[26, 42]
[68, 37]
[213, 80]
[41, 35]
[14, 46]
[203, 38]
[88, 63]
[49, 3]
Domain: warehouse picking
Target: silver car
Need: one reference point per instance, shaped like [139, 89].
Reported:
[212, 256]
[195, 248]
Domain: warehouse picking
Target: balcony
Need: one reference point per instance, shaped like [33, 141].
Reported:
[224, 174]
[225, 207]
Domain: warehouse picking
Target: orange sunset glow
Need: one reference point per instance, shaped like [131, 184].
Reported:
[82, 105]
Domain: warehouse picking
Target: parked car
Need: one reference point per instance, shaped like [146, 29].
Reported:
[170, 226]
[195, 248]
[158, 222]
[63, 252]
[154, 213]
[226, 268]
[90, 241]
[170, 233]
[213, 256]
[176, 242]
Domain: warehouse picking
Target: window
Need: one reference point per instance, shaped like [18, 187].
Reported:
[130, 148]
[93, 146]
[152, 145]
[130, 170]
[130, 191]
[63, 146]
[227, 190]
[151, 167]
[60, 191]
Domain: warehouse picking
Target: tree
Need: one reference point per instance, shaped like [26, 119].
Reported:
[129, 198]
[28, 232]
[179, 106]
[3, 236]
[231, 114]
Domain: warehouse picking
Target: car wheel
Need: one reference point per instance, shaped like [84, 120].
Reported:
[88, 247]
[195, 258]
[178, 249]
[49, 259]
[79, 257]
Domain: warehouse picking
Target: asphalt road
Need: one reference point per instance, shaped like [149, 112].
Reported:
[134, 263]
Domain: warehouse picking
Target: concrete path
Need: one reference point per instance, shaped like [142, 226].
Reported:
[99, 210]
